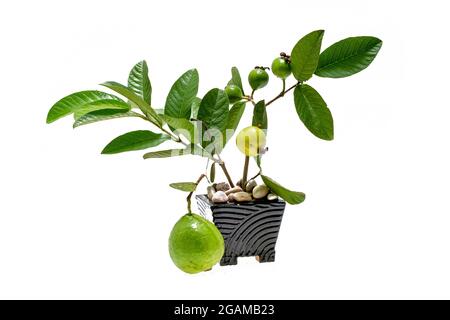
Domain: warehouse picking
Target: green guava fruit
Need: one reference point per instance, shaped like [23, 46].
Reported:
[233, 92]
[195, 244]
[281, 68]
[258, 78]
[251, 140]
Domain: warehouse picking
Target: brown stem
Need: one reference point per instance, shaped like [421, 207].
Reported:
[188, 199]
[244, 176]
[281, 94]
[225, 171]
[256, 175]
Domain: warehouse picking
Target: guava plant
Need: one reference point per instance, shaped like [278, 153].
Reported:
[204, 125]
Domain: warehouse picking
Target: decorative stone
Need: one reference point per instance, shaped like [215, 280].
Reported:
[210, 191]
[233, 190]
[250, 185]
[231, 197]
[239, 183]
[260, 191]
[221, 186]
[242, 196]
[220, 197]
[272, 197]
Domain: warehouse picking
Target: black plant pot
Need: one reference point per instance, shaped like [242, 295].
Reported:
[249, 229]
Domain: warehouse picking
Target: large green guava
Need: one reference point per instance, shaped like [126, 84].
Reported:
[195, 244]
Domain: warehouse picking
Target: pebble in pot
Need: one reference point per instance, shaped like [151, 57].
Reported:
[272, 197]
[210, 191]
[231, 197]
[260, 191]
[242, 196]
[220, 197]
[233, 190]
[250, 185]
[221, 186]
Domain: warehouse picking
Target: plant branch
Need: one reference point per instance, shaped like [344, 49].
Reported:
[225, 171]
[282, 93]
[188, 199]
[219, 161]
[255, 176]
[244, 176]
[174, 137]
[206, 169]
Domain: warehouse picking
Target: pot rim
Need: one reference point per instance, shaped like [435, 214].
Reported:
[203, 197]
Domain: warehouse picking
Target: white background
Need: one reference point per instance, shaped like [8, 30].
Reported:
[75, 224]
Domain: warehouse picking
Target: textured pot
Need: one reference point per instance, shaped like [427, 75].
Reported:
[249, 229]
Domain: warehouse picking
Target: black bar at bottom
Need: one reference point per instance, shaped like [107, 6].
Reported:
[224, 309]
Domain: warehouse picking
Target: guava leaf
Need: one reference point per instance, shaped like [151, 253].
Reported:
[135, 99]
[184, 186]
[139, 82]
[348, 56]
[260, 115]
[135, 140]
[313, 112]
[212, 172]
[305, 55]
[291, 197]
[236, 78]
[180, 125]
[213, 113]
[76, 101]
[234, 117]
[191, 149]
[181, 95]
[213, 109]
[101, 115]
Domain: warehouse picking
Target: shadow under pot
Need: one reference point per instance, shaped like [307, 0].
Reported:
[249, 229]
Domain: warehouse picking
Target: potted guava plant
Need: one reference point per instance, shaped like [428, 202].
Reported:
[246, 212]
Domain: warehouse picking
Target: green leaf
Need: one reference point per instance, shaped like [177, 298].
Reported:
[212, 173]
[234, 117]
[184, 126]
[101, 115]
[139, 82]
[181, 95]
[195, 106]
[258, 159]
[184, 186]
[109, 104]
[213, 109]
[236, 79]
[137, 100]
[199, 151]
[260, 115]
[305, 55]
[213, 113]
[135, 140]
[313, 112]
[78, 100]
[348, 56]
[291, 197]
[192, 149]
[166, 153]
